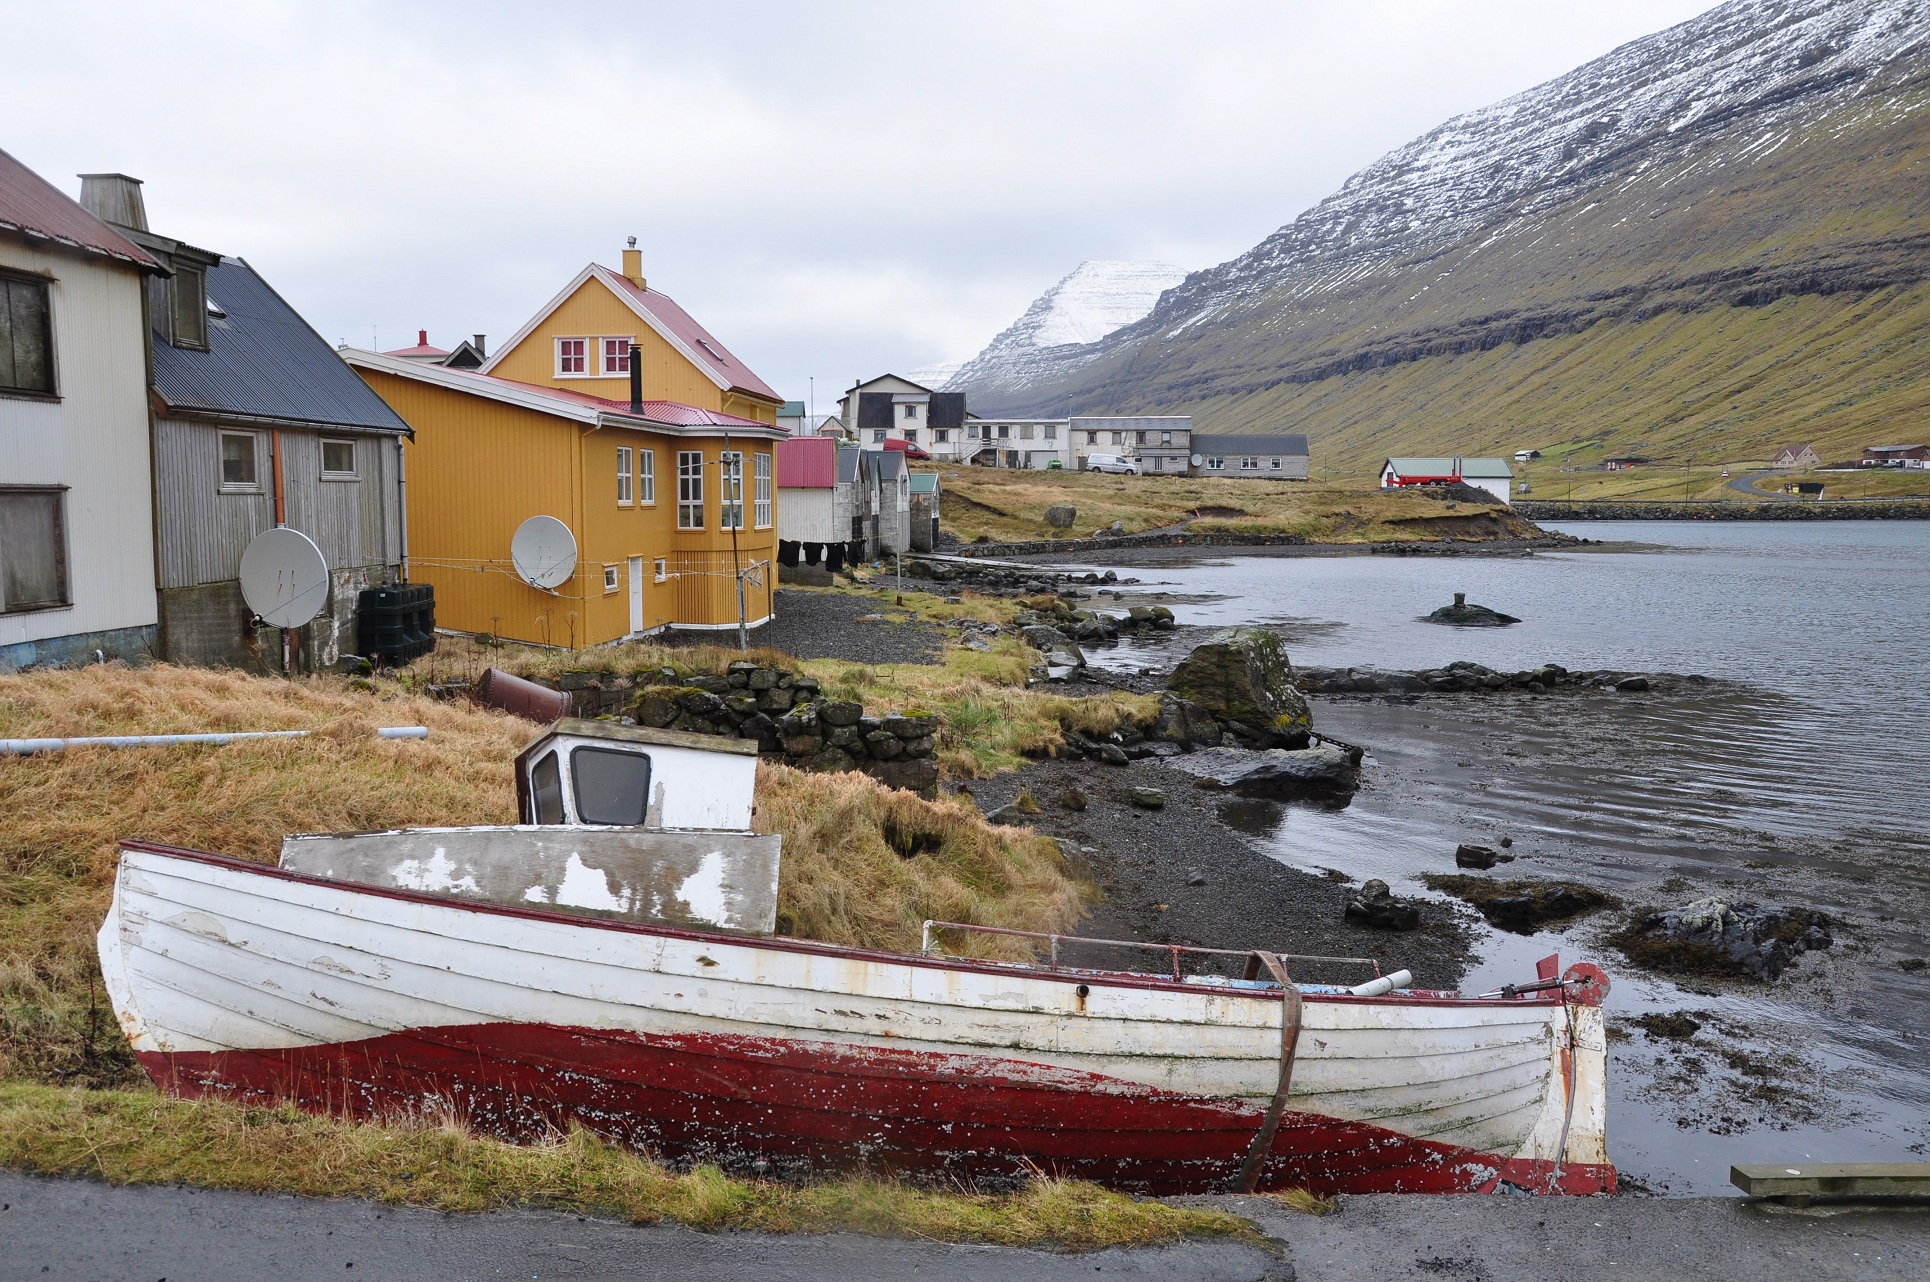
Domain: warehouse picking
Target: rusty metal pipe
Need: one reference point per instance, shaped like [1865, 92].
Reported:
[514, 695]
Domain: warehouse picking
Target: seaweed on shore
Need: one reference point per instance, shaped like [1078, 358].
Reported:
[1521, 907]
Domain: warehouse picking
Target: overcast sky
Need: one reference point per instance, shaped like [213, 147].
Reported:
[835, 189]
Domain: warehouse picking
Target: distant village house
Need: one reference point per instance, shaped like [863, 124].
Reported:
[1796, 456]
[1490, 474]
[1911, 456]
[1284, 457]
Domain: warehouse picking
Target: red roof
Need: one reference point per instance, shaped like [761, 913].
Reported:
[712, 353]
[420, 349]
[35, 208]
[807, 463]
[670, 413]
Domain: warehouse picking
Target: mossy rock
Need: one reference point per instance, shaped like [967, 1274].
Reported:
[1243, 676]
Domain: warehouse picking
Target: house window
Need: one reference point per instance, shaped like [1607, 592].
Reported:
[730, 486]
[238, 462]
[1005, 431]
[690, 490]
[878, 436]
[761, 514]
[338, 460]
[1118, 438]
[1165, 438]
[646, 476]
[1276, 465]
[1051, 432]
[1249, 464]
[1139, 438]
[911, 411]
[1025, 431]
[660, 568]
[942, 435]
[616, 356]
[26, 337]
[623, 476]
[572, 356]
[911, 436]
[609, 578]
[188, 295]
[33, 550]
[1216, 464]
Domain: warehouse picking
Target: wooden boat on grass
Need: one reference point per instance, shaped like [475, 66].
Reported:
[369, 998]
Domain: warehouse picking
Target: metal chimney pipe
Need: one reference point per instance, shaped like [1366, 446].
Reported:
[636, 380]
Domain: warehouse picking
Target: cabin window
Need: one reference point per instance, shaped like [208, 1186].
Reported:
[572, 356]
[546, 790]
[338, 460]
[616, 356]
[609, 578]
[730, 485]
[1276, 465]
[761, 495]
[188, 293]
[33, 550]
[1216, 464]
[26, 337]
[611, 787]
[238, 462]
[646, 476]
[623, 476]
[1249, 464]
[690, 490]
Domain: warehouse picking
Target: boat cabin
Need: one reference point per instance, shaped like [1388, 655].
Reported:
[580, 772]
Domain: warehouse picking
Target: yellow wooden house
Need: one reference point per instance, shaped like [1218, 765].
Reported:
[671, 496]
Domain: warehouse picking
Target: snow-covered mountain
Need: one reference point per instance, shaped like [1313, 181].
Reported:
[1095, 299]
[935, 376]
[1765, 149]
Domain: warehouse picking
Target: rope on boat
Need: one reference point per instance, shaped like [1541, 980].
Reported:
[1262, 1145]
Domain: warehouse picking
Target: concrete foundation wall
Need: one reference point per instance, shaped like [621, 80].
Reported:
[207, 625]
[130, 645]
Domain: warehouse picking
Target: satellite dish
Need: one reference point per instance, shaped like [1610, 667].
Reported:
[284, 578]
[1198, 460]
[543, 552]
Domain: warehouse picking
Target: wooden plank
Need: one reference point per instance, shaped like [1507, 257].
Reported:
[1834, 1179]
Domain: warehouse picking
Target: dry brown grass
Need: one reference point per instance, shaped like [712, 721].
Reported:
[139, 1137]
[1010, 506]
[66, 810]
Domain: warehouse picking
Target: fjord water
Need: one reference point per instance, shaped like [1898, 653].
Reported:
[1796, 776]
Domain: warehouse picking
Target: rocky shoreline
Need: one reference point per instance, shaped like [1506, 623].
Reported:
[1723, 510]
[1465, 676]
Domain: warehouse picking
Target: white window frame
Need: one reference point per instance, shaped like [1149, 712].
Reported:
[610, 583]
[941, 435]
[761, 509]
[605, 360]
[646, 477]
[1215, 463]
[911, 436]
[1249, 462]
[911, 411]
[690, 489]
[1276, 465]
[661, 569]
[583, 355]
[336, 475]
[624, 492]
[254, 454]
[877, 436]
[730, 490]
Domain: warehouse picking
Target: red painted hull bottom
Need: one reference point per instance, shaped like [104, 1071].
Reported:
[793, 1107]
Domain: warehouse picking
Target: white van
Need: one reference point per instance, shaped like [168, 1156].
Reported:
[1111, 463]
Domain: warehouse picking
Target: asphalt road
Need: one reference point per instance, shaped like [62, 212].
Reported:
[77, 1231]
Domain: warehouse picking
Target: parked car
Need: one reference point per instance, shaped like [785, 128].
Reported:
[906, 448]
[1111, 463]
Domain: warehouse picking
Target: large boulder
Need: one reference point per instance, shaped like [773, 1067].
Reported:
[1759, 939]
[1184, 722]
[1463, 615]
[1242, 677]
[1060, 516]
[1324, 773]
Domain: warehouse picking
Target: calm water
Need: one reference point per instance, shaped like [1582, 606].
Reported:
[1799, 779]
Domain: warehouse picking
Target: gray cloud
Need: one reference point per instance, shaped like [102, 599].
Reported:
[834, 188]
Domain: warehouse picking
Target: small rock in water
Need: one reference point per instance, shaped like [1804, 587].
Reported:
[1463, 615]
[1632, 685]
[1149, 798]
[1761, 940]
[1322, 773]
[1376, 906]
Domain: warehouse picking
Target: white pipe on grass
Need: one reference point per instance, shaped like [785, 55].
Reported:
[22, 747]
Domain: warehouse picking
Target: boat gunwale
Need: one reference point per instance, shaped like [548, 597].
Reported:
[792, 944]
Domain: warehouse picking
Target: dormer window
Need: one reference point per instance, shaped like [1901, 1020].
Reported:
[616, 356]
[188, 297]
[572, 357]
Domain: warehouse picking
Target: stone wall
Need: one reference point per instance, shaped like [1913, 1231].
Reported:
[786, 712]
[1163, 539]
[1786, 510]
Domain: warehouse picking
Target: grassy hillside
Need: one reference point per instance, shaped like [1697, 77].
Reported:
[1700, 304]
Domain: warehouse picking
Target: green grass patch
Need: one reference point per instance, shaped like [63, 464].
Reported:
[141, 1137]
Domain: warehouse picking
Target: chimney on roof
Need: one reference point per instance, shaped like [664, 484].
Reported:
[114, 198]
[633, 265]
[422, 338]
[479, 345]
